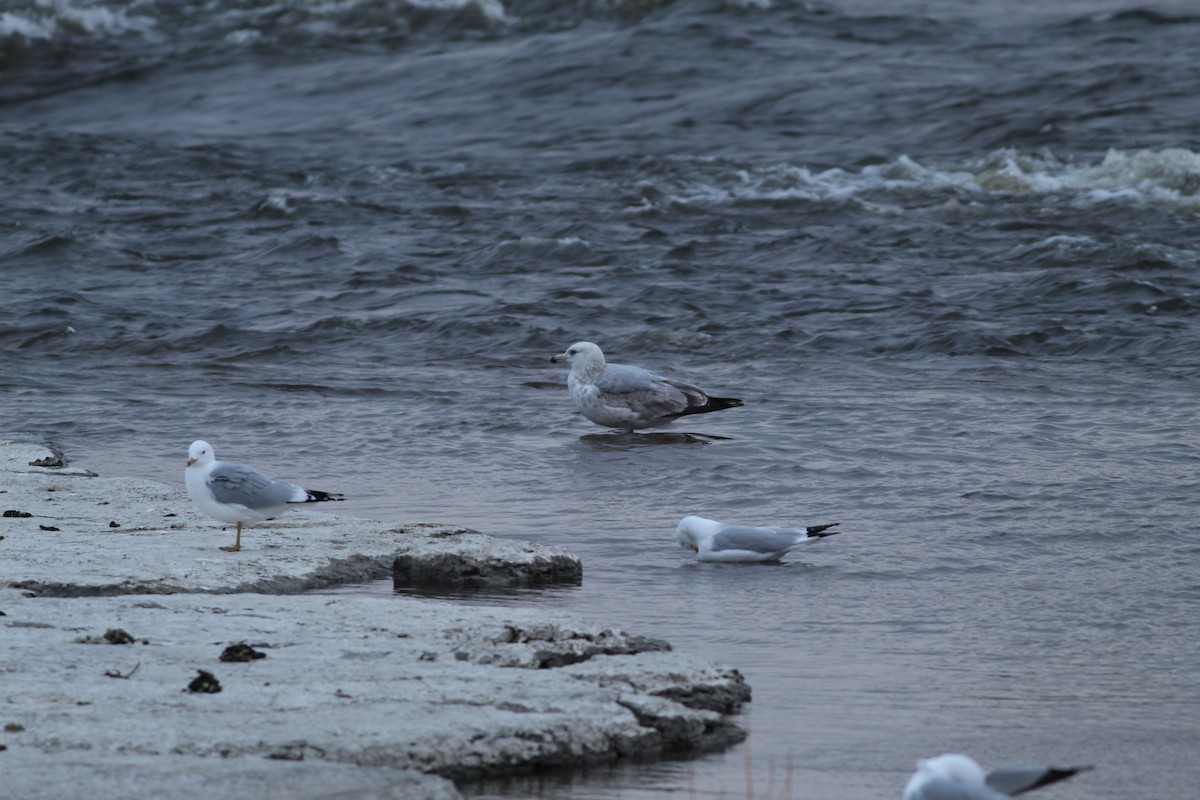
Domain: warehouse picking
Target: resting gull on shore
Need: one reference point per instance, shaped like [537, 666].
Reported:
[625, 397]
[237, 493]
[716, 541]
[958, 777]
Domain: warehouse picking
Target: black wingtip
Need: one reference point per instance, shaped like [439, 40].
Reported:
[718, 403]
[1016, 780]
[1054, 775]
[315, 496]
[713, 404]
[821, 531]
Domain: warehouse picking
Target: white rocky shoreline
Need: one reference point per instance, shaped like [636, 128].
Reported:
[344, 695]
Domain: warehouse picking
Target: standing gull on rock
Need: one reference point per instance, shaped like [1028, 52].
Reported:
[716, 541]
[241, 494]
[625, 397]
[957, 777]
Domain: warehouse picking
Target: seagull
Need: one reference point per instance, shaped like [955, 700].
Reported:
[625, 397]
[237, 493]
[716, 541]
[957, 777]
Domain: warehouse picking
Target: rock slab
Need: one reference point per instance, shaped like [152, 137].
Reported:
[113, 685]
[402, 684]
[72, 533]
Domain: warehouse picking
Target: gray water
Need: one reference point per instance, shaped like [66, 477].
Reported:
[946, 252]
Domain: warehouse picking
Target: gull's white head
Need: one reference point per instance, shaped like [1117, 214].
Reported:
[200, 452]
[953, 767]
[692, 529]
[579, 354]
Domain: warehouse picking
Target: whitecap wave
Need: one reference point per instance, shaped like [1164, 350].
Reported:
[49, 20]
[489, 10]
[1168, 177]
[237, 21]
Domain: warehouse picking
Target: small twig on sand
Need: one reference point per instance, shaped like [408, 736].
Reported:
[114, 674]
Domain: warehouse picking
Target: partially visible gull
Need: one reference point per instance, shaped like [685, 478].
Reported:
[958, 777]
[716, 541]
[625, 397]
[237, 493]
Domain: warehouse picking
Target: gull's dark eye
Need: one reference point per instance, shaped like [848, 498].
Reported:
[570, 352]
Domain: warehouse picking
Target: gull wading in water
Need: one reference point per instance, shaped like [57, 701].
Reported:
[958, 777]
[237, 493]
[625, 397]
[716, 541]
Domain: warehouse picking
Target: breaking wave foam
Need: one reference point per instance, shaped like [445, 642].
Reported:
[244, 21]
[1169, 177]
[47, 20]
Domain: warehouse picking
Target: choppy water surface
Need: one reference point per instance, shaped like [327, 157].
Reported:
[946, 252]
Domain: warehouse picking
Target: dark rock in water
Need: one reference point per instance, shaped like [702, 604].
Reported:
[296, 751]
[722, 699]
[118, 636]
[241, 652]
[204, 683]
[111, 636]
[49, 461]
[459, 570]
[14, 513]
[48, 527]
[55, 460]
